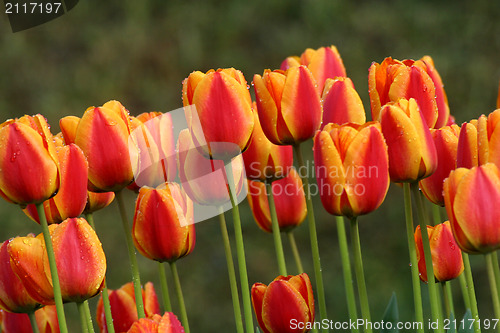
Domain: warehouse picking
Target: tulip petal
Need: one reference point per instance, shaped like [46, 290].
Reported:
[268, 101]
[467, 151]
[446, 256]
[169, 323]
[68, 127]
[258, 292]
[341, 102]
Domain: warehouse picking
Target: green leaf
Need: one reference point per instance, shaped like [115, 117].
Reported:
[451, 324]
[465, 325]
[391, 315]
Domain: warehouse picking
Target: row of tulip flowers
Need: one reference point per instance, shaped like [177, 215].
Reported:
[412, 141]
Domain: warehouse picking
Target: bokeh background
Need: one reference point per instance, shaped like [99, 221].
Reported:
[138, 52]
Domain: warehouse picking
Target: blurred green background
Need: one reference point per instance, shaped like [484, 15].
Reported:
[138, 52]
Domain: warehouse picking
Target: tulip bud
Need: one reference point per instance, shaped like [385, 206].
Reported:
[324, 63]
[446, 255]
[285, 300]
[471, 198]
[157, 324]
[223, 111]
[341, 102]
[68, 127]
[412, 153]
[288, 104]
[441, 98]
[97, 201]
[123, 309]
[28, 161]
[163, 227]
[46, 320]
[289, 199]
[351, 168]
[292, 61]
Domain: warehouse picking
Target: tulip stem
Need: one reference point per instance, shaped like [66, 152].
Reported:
[436, 214]
[232, 274]
[472, 293]
[496, 270]
[34, 325]
[313, 236]
[83, 317]
[104, 292]
[295, 251]
[360, 275]
[240, 252]
[88, 316]
[164, 288]
[278, 245]
[431, 282]
[53, 269]
[417, 295]
[465, 293]
[493, 285]
[132, 256]
[447, 298]
[180, 297]
[346, 268]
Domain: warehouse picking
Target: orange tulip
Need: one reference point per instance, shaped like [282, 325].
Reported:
[471, 200]
[286, 302]
[72, 196]
[288, 104]
[412, 153]
[97, 201]
[80, 261]
[289, 199]
[446, 255]
[351, 168]
[324, 63]
[13, 295]
[222, 120]
[292, 61]
[28, 161]
[467, 150]
[341, 102]
[446, 142]
[163, 227]
[441, 98]
[46, 320]
[264, 160]
[157, 324]
[123, 309]
[393, 79]
[103, 134]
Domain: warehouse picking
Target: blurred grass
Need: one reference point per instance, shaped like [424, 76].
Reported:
[140, 51]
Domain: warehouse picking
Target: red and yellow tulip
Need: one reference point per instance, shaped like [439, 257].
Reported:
[284, 301]
[168, 323]
[341, 102]
[324, 63]
[412, 153]
[46, 320]
[351, 168]
[446, 255]
[471, 199]
[288, 104]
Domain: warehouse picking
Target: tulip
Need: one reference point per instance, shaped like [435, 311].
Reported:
[158, 324]
[68, 127]
[28, 161]
[446, 255]
[292, 61]
[441, 98]
[103, 134]
[123, 307]
[264, 160]
[471, 199]
[324, 63]
[393, 79]
[289, 199]
[221, 120]
[152, 150]
[46, 319]
[98, 201]
[412, 153]
[341, 102]
[288, 104]
[446, 142]
[285, 300]
[163, 227]
[13, 295]
[467, 149]
[351, 168]
[204, 180]
[80, 260]
[71, 199]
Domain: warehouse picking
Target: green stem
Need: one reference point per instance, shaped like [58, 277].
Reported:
[360, 275]
[53, 269]
[313, 236]
[436, 214]
[496, 270]
[104, 292]
[240, 252]
[278, 245]
[449, 296]
[493, 285]
[463, 288]
[34, 325]
[346, 268]
[295, 251]
[446, 300]
[431, 282]
[232, 274]
[83, 317]
[164, 288]
[417, 295]
[180, 297]
[88, 316]
[136, 279]
[471, 292]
